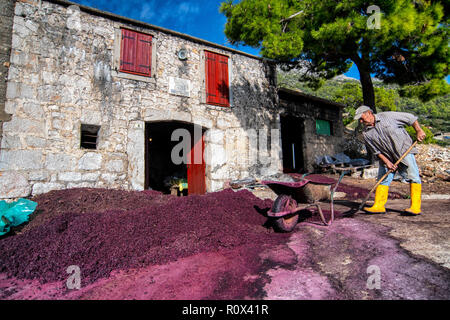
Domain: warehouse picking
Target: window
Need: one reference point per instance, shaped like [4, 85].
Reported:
[323, 127]
[135, 53]
[89, 136]
[217, 79]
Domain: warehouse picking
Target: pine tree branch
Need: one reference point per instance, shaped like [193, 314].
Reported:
[291, 17]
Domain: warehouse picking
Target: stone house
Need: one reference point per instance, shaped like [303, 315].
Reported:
[92, 99]
[311, 125]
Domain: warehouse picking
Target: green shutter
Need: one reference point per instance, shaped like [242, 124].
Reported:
[323, 127]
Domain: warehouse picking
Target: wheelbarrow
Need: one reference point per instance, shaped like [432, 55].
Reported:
[293, 197]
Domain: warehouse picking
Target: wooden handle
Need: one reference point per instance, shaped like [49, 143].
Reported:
[406, 153]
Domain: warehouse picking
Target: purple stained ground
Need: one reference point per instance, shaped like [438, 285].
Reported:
[166, 229]
[102, 230]
[145, 245]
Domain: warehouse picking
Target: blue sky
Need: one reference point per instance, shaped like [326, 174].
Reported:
[198, 18]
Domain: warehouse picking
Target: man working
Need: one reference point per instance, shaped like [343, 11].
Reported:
[386, 136]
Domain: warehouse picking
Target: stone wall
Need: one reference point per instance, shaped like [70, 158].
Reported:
[433, 162]
[62, 73]
[6, 23]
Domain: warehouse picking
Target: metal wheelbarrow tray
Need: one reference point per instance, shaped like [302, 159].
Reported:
[297, 196]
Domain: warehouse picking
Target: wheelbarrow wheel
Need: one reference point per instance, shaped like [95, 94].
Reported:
[288, 222]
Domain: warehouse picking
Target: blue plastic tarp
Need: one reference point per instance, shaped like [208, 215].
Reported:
[359, 162]
[15, 213]
[341, 158]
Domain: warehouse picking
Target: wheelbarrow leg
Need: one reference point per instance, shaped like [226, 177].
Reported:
[322, 217]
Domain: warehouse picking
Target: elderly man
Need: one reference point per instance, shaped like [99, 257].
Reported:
[386, 136]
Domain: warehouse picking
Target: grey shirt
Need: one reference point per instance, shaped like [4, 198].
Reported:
[389, 136]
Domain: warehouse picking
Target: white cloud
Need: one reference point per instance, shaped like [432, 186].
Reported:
[186, 8]
[147, 11]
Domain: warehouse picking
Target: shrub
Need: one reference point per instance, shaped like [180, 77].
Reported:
[429, 135]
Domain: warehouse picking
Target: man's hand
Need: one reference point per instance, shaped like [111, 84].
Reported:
[421, 135]
[391, 167]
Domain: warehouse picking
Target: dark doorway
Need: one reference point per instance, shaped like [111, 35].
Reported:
[161, 172]
[292, 129]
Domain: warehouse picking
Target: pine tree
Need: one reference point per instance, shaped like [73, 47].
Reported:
[398, 41]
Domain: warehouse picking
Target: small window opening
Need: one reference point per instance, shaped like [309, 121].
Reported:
[89, 136]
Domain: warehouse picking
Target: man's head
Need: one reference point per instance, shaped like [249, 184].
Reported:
[365, 115]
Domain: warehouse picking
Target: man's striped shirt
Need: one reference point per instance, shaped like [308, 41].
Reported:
[389, 136]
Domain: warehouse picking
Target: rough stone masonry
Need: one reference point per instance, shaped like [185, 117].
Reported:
[63, 73]
[6, 23]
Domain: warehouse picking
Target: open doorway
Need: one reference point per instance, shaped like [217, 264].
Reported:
[161, 172]
[292, 144]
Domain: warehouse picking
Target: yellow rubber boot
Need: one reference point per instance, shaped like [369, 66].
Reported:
[416, 201]
[381, 196]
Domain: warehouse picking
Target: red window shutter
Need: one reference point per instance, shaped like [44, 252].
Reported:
[223, 86]
[211, 94]
[136, 52]
[128, 51]
[217, 86]
[144, 54]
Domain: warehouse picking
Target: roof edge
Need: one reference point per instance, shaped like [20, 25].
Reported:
[310, 97]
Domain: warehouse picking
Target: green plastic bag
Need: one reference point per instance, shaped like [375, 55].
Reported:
[15, 213]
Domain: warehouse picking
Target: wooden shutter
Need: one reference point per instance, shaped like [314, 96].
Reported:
[144, 54]
[136, 52]
[223, 86]
[211, 92]
[217, 83]
[323, 127]
[128, 51]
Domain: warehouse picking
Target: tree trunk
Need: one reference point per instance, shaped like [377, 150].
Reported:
[367, 90]
[366, 83]
[368, 93]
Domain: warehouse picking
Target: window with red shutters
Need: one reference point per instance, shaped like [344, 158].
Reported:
[217, 81]
[136, 53]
